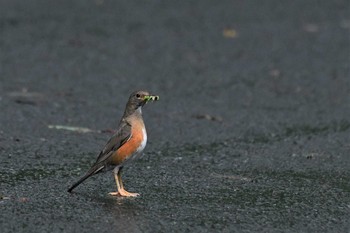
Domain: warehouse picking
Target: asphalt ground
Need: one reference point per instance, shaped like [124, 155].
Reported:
[251, 133]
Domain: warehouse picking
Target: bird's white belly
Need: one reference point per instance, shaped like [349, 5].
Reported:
[143, 143]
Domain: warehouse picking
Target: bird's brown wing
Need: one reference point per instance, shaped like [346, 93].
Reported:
[122, 135]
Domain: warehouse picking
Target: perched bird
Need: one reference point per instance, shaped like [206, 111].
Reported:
[125, 145]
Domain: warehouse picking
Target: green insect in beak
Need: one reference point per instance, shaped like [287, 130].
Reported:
[151, 97]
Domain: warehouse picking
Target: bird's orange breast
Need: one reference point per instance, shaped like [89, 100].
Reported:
[130, 147]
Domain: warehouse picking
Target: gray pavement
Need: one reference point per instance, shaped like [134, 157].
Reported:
[251, 133]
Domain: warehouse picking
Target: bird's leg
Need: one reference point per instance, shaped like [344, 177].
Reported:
[119, 177]
[116, 172]
[121, 190]
[118, 180]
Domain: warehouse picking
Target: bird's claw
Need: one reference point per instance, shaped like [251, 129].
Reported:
[124, 193]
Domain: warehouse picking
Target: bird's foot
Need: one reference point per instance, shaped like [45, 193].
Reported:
[124, 193]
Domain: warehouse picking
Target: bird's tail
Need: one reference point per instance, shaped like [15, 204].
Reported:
[92, 171]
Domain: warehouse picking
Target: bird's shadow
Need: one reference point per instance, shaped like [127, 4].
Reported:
[122, 209]
[108, 201]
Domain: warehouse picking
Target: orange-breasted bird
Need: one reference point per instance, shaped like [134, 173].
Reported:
[125, 145]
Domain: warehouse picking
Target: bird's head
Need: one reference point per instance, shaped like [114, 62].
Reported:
[139, 98]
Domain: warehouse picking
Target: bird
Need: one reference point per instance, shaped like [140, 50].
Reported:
[126, 144]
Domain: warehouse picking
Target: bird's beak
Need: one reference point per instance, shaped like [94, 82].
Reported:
[151, 97]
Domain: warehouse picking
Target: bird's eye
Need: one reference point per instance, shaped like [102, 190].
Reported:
[138, 95]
